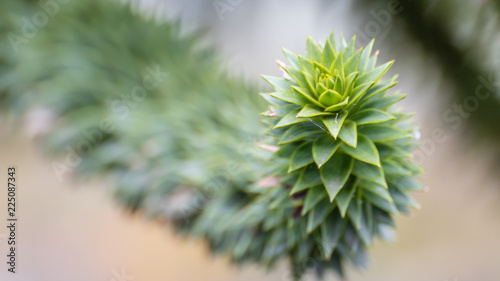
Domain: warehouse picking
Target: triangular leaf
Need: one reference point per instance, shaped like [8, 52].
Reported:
[348, 52]
[272, 100]
[301, 157]
[310, 177]
[369, 172]
[363, 230]
[308, 96]
[323, 149]
[387, 150]
[313, 50]
[280, 84]
[354, 212]
[365, 55]
[394, 168]
[380, 202]
[298, 131]
[382, 102]
[345, 195]
[380, 87]
[300, 78]
[338, 65]
[351, 63]
[365, 150]
[357, 93]
[339, 82]
[335, 173]
[328, 55]
[380, 133]
[401, 198]
[334, 123]
[290, 118]
[331, 231]
[337, 106]
[292, 58]
[312, 111]
[348, 133]
[307, 65]
[349, 84]
[314, 195]
[329, 98]
[374, 74]
[331, 38]
[290, 96]
[371, 116]
[318, 214]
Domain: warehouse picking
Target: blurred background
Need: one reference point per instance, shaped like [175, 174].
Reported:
[62, 74]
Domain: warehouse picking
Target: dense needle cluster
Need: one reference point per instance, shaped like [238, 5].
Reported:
[345, 151]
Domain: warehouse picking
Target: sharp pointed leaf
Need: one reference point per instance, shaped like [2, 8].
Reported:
[380, 202]
[300, 78]
[331, 231]
[318, 214]
[307, 96]
[348, 52]
[307, 65]
[335, 173]
[323, 149]
[348, 133]
[314, 195]
[310, 177]
[290, 119]
[334, 123]
[301, 157]
[329, 98]
[380, 133]
[371, 116]
[374, 74]
[351, 64]
[290, 96]
[313, 50]
[312, 111]
[369, 172]
[354, 212]
[365, 55]
[345, 195]
[292, 58]
[365, 150]
[280, 84]
[328, 55]
[298, 131]
[382, 102]
[337, 106]
[380, 87]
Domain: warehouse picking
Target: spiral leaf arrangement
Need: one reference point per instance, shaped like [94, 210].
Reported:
[344, 152]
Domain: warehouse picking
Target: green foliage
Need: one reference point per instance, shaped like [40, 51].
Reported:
[89, 65]
[347, 167]
[185, 153]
